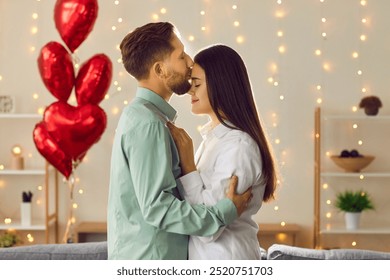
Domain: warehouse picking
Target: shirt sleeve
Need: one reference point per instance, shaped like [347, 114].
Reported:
[240, 158]
[148, 149]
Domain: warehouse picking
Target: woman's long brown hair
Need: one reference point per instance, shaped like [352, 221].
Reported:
[230, 95]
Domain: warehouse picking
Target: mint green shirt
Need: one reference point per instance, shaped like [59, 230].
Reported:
[147, 218]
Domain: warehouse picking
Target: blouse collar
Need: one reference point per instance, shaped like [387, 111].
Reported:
[219, 131]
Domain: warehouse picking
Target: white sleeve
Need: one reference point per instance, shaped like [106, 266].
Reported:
[193, 186]
[240, 158]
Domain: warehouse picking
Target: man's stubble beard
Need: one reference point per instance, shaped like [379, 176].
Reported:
[178, 83]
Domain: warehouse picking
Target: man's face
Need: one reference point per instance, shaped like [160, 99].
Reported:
[178, 69]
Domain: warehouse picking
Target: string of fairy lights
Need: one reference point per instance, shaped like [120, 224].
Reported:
[31, 48]
[276, 81]
[355, 55]
[319, 52]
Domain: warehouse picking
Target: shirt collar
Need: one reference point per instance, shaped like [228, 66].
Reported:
[167, 110]
[219, 131]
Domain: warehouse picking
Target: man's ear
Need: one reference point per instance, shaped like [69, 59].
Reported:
[158, 69]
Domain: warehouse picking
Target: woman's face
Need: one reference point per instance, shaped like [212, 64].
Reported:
[200, 103]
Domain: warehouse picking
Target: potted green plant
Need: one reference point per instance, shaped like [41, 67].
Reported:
[371, 105]
[8, 239]
[353, 203]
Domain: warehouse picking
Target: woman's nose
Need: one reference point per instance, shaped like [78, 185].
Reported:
[191, 91]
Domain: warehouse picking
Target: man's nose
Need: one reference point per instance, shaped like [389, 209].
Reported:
[190, 62]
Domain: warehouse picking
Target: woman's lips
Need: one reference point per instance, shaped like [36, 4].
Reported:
[194, 101]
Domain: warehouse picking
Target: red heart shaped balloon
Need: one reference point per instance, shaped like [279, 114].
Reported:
[50, 150]
[93, 80]
[74, 20]
[56, 69]
[75, 129]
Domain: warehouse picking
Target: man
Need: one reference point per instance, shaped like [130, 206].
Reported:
[147, 219]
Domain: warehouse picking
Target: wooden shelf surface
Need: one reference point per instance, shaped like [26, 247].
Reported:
[278, 228]
[91, 227]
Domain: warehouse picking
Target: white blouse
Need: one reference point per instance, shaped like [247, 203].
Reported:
[225, 152]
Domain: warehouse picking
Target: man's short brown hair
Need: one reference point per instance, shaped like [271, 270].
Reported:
[144, 46]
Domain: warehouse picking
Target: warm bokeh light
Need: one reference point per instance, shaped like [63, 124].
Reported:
[16, 150]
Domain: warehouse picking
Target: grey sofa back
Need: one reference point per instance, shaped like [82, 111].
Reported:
[76, 251]
[285, 252]
[98, 251]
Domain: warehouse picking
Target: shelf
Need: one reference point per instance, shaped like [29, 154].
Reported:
[289, 230]
[22, 172]
[36, 225]
[351, 117]
[356, 175]
[341, 230]
[332, 131]
[46, 173]
[20, 116]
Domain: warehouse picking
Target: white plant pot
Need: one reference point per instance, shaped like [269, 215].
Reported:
[352, 220]
[25, 213]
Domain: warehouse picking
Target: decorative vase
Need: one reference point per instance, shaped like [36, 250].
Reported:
[371, 111]
[352, 220]
[371, 105]
[25, 213]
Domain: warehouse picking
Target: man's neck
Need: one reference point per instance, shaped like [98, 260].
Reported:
[161, 91]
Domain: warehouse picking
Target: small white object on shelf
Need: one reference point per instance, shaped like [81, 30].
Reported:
[25, 213]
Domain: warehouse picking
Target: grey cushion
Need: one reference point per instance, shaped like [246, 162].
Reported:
[285, 252]
[263, 253]
[76, 251]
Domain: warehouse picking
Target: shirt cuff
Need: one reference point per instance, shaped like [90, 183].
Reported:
[191, 181]
[227, 210]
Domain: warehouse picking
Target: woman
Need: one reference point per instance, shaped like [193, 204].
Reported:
[234, 143]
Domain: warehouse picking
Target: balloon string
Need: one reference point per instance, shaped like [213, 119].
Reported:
[69, 235]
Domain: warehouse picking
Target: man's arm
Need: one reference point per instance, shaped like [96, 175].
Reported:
[241, 201]
[150, 162]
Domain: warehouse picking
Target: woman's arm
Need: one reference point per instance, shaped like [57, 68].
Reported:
[234, 157]
[185, 147]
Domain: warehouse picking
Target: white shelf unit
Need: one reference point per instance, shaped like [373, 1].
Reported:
[356, 175]
[46, 175]
[20, 116]
[22, 172]
[325, 171]
[340, 229]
